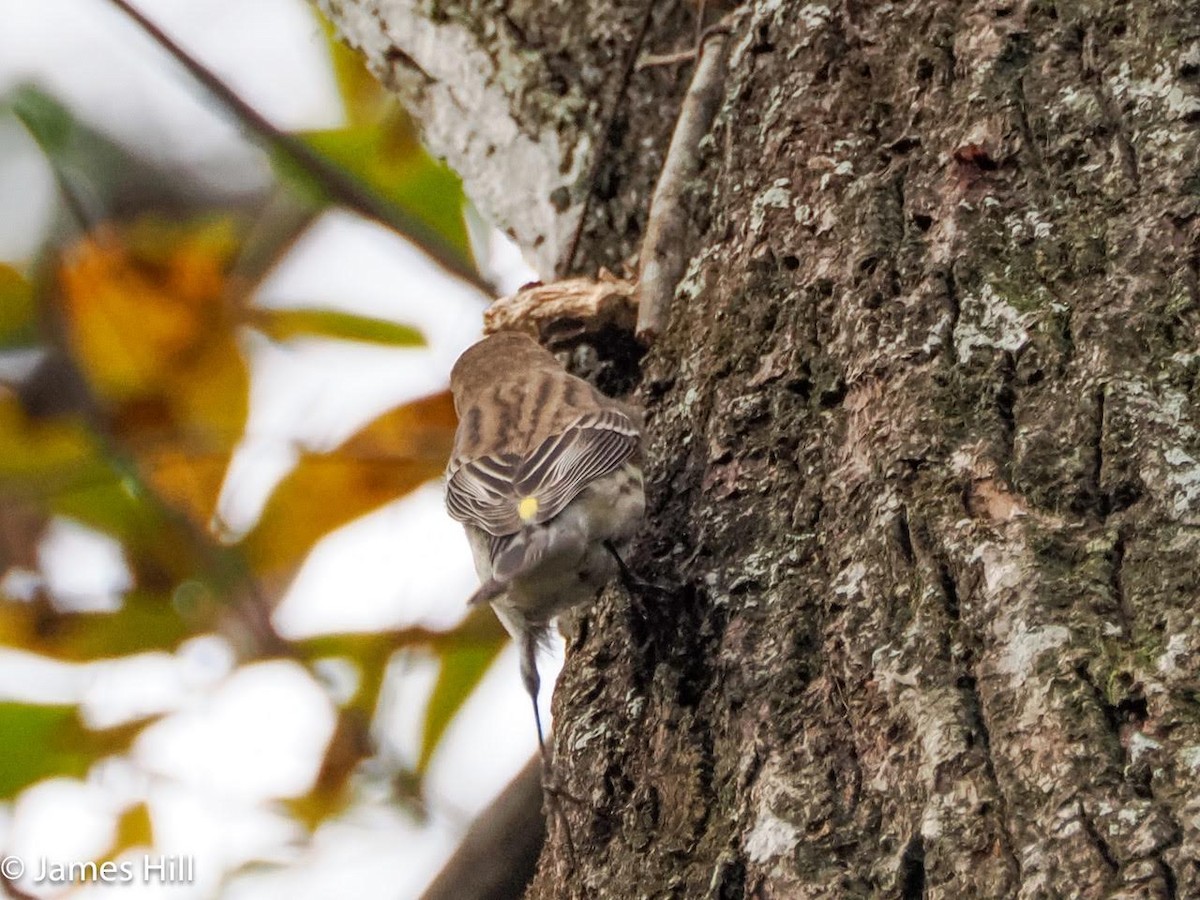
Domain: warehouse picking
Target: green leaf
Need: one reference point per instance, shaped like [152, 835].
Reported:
[283, 324]
[462, 668]
[31, 746]
[46, 741]
[18, 314]
[388, 157]
[145, 622]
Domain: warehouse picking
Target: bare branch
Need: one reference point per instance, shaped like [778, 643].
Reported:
[497, 857]
[663, 258]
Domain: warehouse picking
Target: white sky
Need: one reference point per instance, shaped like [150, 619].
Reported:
[239, 738]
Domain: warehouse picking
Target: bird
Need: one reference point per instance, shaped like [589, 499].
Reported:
[545, 476]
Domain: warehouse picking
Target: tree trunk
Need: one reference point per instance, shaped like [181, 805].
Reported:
[923, 463]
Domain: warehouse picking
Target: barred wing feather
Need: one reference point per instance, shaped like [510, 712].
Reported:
[486, 491]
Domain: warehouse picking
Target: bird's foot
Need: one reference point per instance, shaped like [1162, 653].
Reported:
[632, 582]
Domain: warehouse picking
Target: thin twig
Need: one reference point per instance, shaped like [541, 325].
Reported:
[339, 185]
[654, 60]
[663, 257]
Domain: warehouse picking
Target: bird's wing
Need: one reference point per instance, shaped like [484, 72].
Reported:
[488, 491]
[564, 464]
[480, 493]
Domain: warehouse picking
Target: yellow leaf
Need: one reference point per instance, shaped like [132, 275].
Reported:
[363, 97]
[391, 456]
[134, 829]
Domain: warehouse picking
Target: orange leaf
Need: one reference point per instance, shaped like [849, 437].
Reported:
[148, 318]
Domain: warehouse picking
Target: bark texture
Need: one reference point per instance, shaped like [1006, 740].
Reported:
[925, 458]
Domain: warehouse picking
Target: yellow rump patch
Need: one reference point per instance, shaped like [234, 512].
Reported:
[527, 508]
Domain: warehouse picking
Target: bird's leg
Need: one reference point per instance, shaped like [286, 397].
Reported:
[551, 791]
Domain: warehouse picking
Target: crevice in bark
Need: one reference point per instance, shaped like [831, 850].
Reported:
[1110, 712]
[1102, 502]
[606, 138]
[1067, 336]
[954, 305]
[1166, 872]
[978, 719]
[1116, 559]
[702, 735]
[912, 869]
[1169, 881]
[1097, 840]
[729, 878]
[394, 56]
[949, 591]
[838, 685]
[1021, 103]
[903, 536]
[1006, 400]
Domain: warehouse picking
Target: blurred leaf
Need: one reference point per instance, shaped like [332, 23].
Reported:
[44, 741]
[18, 314]
[34, 750]
[146, 316]
[134, 829]
[478, 628]
[365, 100]
[186, 478]
[145, 622]
[462, 668]
[55, 465]
[38, 455]
[160, 548]
[391, 456]
[142, 302]
[387, 156]
[283, 324]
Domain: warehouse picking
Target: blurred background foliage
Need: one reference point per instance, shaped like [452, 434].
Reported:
[134, 395]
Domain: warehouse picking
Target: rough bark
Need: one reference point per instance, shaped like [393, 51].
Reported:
[924, 457]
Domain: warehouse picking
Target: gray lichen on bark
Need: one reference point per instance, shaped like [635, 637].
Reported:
[515, 97]
[925, 462]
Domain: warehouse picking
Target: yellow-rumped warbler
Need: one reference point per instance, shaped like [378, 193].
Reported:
[545, 478]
